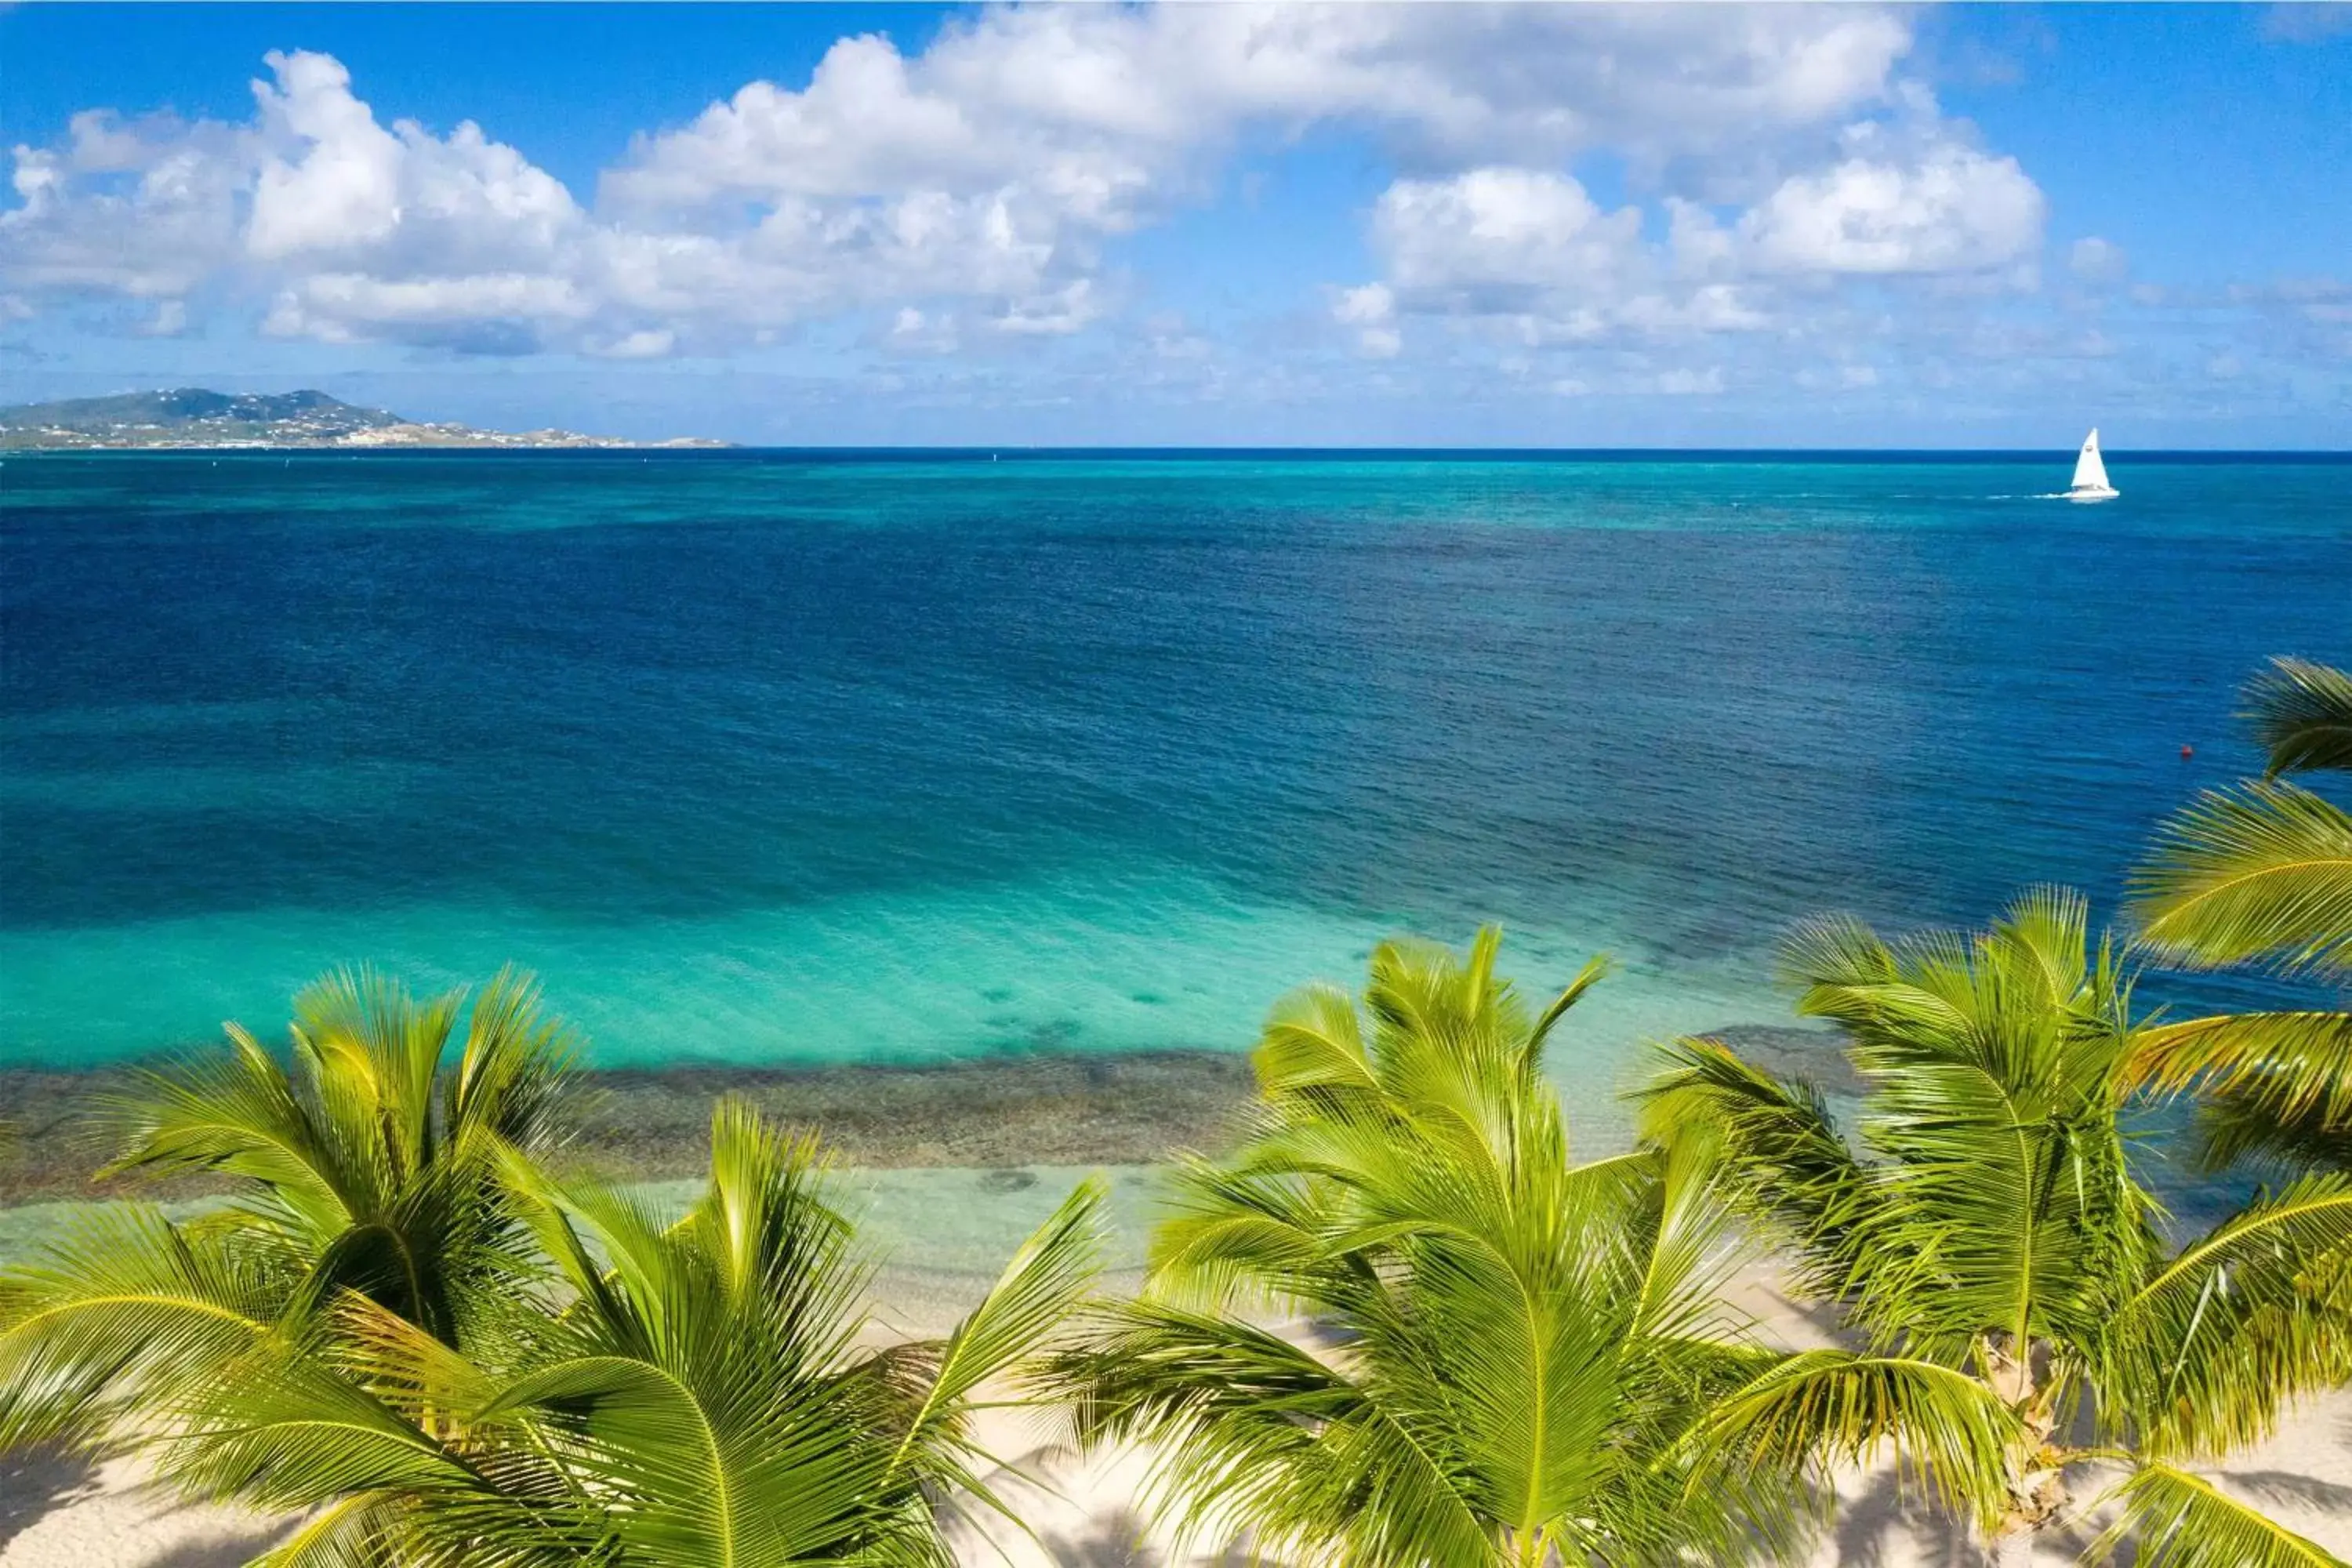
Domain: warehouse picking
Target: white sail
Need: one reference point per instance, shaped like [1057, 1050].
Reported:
[2090, 472]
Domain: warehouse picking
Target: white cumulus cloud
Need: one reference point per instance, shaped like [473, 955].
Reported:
[1501, 234]
[1661, 198]
[336, 185]
[143, 208]
[978, 181]
[1682, 294]
[1948, 208]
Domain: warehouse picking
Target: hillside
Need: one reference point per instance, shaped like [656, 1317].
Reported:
[191, 417]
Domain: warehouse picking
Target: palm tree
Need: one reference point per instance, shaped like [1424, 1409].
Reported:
[366, 1162]
[1514, 1359]
[1990, 1222]
[2261, 875]
[679, 1394]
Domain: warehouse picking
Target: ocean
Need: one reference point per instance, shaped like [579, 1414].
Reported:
[782, 758]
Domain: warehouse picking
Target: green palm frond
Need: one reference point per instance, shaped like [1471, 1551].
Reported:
[380, 1478]
[1239, 1239]
[2261, 874]
[1314, 1039]
[122, 1320]
[1509, 1346]
[704, 1397]
[1446, 1036]
[2044, 938]
[1839, 951]
[1045, 1283]
[1942, 1425]
[2258, 873]
[2024, 1217]
[1675, 1204]
[241, 1116]
[359, 1161]
[1596, 969]
[1988, 1236]
[2302, 714]
[708, 1467]
[290, 1432]
[1993, 1196]
[764, 1230]
[709, 1371]
[1841, 971]
[404, 1327]
[1784, 1157]
[2294, 1060]
[2179, 1520]
[2259, 1310]
[365, 1153]
[349, 1533]
[1258, 1432]
[515, 1072]
[373, 1047]
[2272, 1085]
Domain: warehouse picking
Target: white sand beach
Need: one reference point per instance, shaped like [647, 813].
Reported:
[1090, 1511]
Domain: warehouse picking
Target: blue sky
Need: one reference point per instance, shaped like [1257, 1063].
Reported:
[1774, 225]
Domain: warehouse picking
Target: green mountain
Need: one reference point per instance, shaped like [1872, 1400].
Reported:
[192, 414]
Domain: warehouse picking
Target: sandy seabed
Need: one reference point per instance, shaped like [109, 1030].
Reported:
[654, 1124]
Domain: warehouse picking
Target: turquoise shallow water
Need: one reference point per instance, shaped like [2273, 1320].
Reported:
[771, 756]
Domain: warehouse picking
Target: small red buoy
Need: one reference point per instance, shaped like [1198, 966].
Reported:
[2187, 752]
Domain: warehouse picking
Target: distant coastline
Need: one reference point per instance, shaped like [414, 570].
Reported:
[1009, 457]
[196, 419]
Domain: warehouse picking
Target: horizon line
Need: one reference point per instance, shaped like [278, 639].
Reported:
[651, 448]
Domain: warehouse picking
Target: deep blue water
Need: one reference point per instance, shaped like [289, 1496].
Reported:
[795, 756]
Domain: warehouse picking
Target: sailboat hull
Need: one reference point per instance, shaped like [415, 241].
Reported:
[2092, 492]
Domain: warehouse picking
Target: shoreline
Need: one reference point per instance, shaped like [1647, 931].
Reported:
[652, 1124]
[979, 1112]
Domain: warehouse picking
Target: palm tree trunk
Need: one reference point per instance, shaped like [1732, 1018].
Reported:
[2037, 1485]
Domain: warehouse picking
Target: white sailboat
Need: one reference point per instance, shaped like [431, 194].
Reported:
[2091, 474]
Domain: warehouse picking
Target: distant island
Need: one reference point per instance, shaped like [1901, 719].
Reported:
[192, 416]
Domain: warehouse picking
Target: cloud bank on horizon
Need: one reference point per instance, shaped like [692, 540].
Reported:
[1578, 202]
